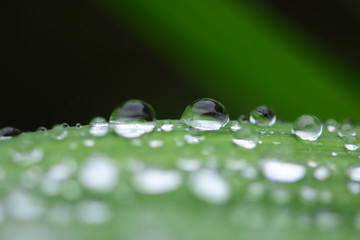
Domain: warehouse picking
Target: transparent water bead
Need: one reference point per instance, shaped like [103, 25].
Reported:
[99, 173]
[93, 212]
[234, 126]
[322, 173]
[205, 114]
[210, 186]
[262, 116]
[347, 128]
[167, 127]
[279, 171]
[246, 137]
[133, 118]
[351, 143]
[99, 127]
[331, 125]
[9, 132]
[41, 129]
[354, 173]
[307, 127]
[156, 181]
[58, 132]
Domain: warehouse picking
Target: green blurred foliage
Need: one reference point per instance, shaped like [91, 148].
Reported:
[245, 55]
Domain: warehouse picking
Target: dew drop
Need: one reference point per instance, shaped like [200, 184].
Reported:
[278, 171]
[353, 187]
[93, 212]
[191, 139]
[205, 114]
[243, 119]
[246, 137]
[156, 181]
[210, 186]
[347, 128]
[167, 127]
[78, 125]
[99, 173]
[188, 164]
[89, 142]
[307, 127]
[156, 143]
[58, 132]
[351, 143]
[9, 132]
[27, 156]
[41, 129]
[65, 125]
[321, 173]
[99, 127]
[331, 125]
[354, 173]
[234, 126]
[133, 118]
[262, 116]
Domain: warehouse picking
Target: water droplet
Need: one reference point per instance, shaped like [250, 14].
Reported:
[99, 127]
[23, 206]
[262, 116]
[191, 139]
[321, 173]
[93, 212]
[275, 170]
[156, 143]
[210, 186]
[133, 118]
[99, 173]
[351, 143]
[9, 132]
[205, 115]
[78, 125]
[354, 173]
[58, 132]
[308, 193]
[307, 127]
[167, 127]
[246, 137]
[156, 181]
[41, 129]
[353, 187]
[27, 155]
[65, 125]
[347, 128]
[331, 125]
[234, 126]
[334, 154]
[188, 164]
[243, 118]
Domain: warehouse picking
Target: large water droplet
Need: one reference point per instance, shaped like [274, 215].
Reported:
[262, 116]
[99, 173]
[9, 132]
[347, 128]
[210, 186]
[351, 143]
[205, 114]
[307, 127]
[133, 118]
[246, 137]
[275, 170]
[156, 181]
[98, 127]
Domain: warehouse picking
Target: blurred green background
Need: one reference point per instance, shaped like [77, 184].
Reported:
[70, 61]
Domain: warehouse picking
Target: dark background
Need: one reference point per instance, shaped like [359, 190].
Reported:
[69, 61]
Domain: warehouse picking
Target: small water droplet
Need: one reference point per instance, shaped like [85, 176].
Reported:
[331, 125]
[210, 186]
[246, 137]
[65, 125]
[205, 115]
[156, 181]
[234, 126]
[347, 128]
[156, 143]
[167, 127]
[351, 143]
[99, 173]
[99, 127]
[93, 212]
[321, 173]
[27, 155]
[275, 170]
[133, 118]
[353, 187]
[354, 173]
[9, 132]
[307, 127]
[243, 118]
[308, 193]
[262, 116]
[78, 125]
[188, 164]
[58, 132]
[191, 139]
[41, 129]
[334, 154]
[89, 142]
